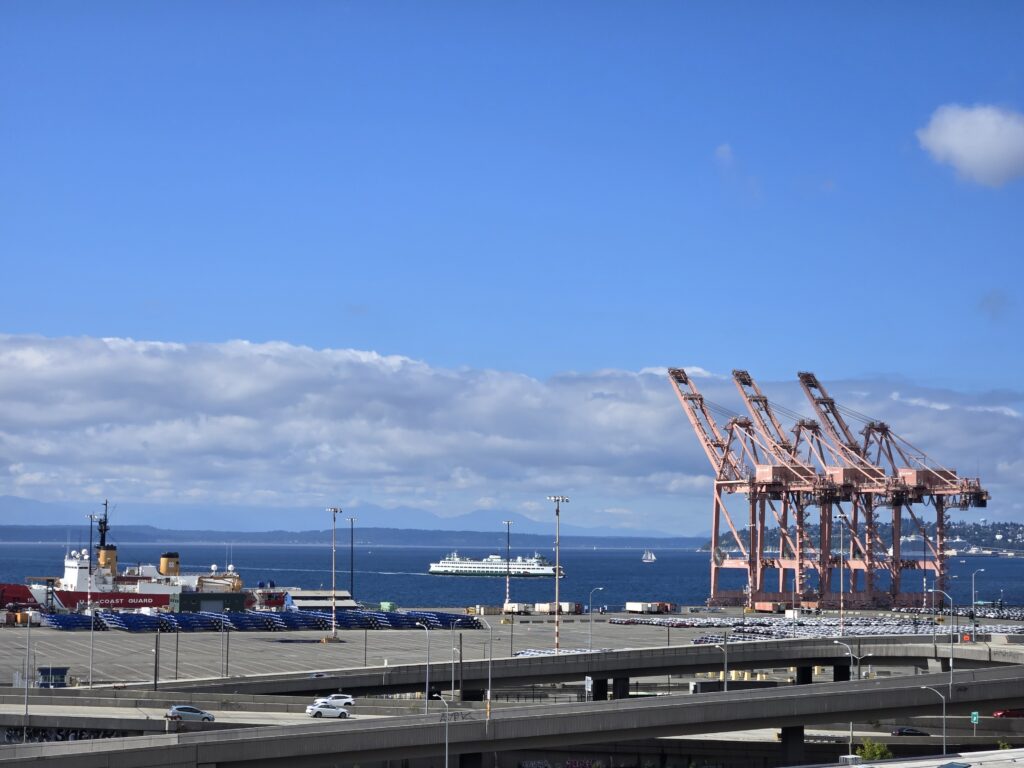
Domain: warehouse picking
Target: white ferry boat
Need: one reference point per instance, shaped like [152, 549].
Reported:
[494, 565]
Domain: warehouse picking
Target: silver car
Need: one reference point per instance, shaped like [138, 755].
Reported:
[186, 712]
[325, 709]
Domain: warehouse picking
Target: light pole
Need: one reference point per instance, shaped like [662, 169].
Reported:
[490, 653]
[446, 719]
[559, 500]
[952, 611]
[92, 616]
[452, 632]
[352, 557]
[974, 607]
[842, 562]
[939, 694]
[853, 656]
[590, 610]
[334, 571]
[508, 562]
[724, 648]
[28, 656]
[426, 675]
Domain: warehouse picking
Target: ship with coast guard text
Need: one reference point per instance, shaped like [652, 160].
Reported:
[90, 583]
[495, 565]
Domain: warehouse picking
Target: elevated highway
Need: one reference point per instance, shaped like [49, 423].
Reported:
[472, 676]
[471, 735]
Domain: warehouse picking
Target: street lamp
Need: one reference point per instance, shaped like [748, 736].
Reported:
[508, 562]
[490, 653]
[352, 557]
[849, 650]
[724, 648]
[559, 500]
[974, 607]
[446, 719]
[952, 611]
[853, 656]
[452, 632]
[426, 676]
[590, 610]
[334, 571]
[939, 694]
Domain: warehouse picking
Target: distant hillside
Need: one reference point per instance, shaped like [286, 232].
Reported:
[14, 510]
[78, 535]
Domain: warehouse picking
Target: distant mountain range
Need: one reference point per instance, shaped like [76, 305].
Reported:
[170, 522]
[78, 536]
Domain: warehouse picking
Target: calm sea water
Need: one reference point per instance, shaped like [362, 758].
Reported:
[399, 574]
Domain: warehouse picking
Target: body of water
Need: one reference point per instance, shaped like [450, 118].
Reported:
[399, 574]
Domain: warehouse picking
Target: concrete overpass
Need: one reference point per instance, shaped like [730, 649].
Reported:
[617, 666]
[470, 735]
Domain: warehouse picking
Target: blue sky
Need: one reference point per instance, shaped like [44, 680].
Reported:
[533, 188]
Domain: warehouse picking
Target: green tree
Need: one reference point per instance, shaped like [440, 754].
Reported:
[874, 750]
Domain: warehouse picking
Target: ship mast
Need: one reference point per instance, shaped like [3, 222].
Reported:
[103, 526]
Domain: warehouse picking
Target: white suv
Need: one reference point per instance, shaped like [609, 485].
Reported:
[337, 699]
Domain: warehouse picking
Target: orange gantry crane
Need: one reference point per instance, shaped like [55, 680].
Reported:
[821, 475]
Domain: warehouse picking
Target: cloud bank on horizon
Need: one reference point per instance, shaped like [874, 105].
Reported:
[268, 425]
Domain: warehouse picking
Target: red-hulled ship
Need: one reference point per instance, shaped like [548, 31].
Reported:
[138, 586]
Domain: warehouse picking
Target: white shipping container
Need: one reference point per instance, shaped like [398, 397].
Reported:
[641, 607]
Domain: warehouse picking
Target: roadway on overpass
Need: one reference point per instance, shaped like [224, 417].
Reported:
[648, 662]
[311, 744]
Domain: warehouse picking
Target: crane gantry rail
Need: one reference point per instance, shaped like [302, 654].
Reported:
[851, 484]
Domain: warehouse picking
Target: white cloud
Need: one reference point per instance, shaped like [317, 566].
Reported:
[724, 156]
[920, 402]
[983, 143]
[276, 425]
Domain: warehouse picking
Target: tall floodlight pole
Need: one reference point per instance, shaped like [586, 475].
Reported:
[939, 694]
[508, 562]
[334, 571]
[426, 676]
[590, 610]
[952, 612]
[974, 607]
[352, 557]
[559, 500]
